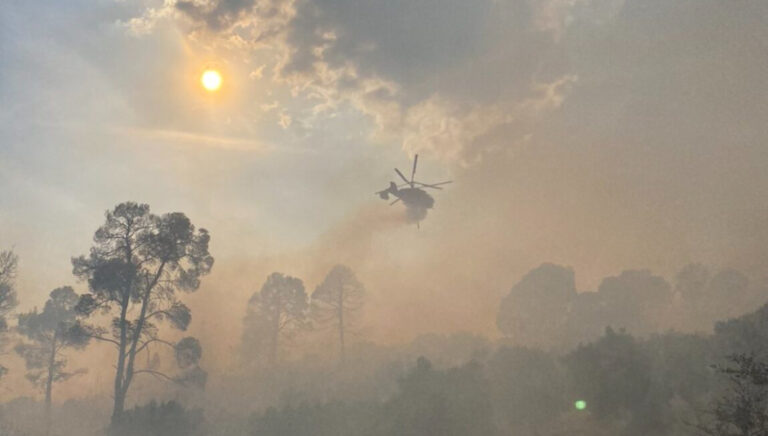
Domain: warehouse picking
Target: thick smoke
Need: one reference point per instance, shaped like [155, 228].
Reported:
[618, 143]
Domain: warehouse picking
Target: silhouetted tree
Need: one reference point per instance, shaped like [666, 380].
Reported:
[676, 360]
[337, 300]
[164, 419]
[137, 265]
[691, 280]
[586, 319]
[729, 292]
[707, 298]
[453, 402]
[745, 334]
[534, 313]
[8, 301]
[613, 375]
[276, 312]
[635, 300]
[449, 350]
[528, 387]
[325, 419]
[690, 283]
[743, 410]
[428, 401]
[48, 334]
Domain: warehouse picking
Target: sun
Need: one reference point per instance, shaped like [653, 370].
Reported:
[211, 80]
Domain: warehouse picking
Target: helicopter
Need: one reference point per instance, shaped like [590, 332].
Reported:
[416, 200]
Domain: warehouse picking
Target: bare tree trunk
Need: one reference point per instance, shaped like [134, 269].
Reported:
[342, 355]
[127, 369]
[275, 335]
[120, 391]
[119, 405]
[49, 384]
[135, 341]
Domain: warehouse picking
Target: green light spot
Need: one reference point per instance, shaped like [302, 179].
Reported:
[580, 405]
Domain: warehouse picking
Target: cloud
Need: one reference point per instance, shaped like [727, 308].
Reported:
[455, 58]
[391, 60]
[146, 23]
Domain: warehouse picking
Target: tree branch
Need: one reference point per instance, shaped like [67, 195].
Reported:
[157, 374]
[102, 338]
[149, 341]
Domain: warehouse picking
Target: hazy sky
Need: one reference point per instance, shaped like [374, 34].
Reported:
[599, 134]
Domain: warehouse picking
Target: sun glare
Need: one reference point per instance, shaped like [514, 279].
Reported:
[211, 80]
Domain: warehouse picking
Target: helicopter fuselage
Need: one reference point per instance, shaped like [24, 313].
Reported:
[415, 198]
[411, 197]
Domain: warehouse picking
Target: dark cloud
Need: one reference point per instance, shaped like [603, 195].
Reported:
[476, 52]
[219, 15]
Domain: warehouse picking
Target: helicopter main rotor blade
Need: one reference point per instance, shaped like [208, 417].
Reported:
[433, 185]
[413, 173]
[394, 202]
[402, 176]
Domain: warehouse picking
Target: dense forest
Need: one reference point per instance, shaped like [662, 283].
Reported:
[640, 355]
